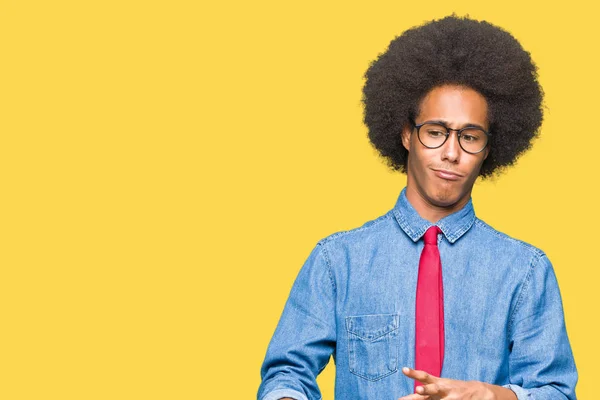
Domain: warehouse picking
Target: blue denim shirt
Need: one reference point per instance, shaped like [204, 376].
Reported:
[354, 299]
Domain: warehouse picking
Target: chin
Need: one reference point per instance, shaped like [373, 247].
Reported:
[445, 197]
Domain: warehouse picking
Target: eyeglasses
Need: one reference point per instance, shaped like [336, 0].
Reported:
[471, 139]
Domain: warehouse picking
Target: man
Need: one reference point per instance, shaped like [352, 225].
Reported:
[474, 313]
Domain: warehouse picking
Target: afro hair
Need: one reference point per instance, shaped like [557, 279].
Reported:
[461, 51]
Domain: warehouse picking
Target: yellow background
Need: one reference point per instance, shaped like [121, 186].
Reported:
[167, 166]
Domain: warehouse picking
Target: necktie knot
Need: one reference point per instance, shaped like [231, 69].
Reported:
[431, 235]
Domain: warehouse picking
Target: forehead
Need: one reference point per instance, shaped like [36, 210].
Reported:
[456, 105]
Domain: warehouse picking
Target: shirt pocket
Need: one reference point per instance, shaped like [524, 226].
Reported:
[373, 345]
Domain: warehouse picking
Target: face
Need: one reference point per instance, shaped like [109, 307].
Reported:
[458, 107]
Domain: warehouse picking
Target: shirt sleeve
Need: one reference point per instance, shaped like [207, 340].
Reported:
[305, 336]
[541, 363]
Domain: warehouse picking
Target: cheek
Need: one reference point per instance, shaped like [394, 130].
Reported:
[417, 162]
[475, 167]
[425, 158]
[414, 151]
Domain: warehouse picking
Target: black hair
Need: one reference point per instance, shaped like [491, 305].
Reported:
[461, 51]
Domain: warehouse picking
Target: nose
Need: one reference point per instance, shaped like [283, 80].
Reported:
[451, 149]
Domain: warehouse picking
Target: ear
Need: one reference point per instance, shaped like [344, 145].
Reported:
[406, 132]
[486, 152]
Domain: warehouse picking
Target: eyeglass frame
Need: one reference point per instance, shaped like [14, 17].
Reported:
[458, 133]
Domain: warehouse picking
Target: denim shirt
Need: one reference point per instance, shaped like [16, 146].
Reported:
[354, 299]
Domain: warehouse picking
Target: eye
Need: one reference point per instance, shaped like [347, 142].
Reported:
[472, 135]
[435, 132]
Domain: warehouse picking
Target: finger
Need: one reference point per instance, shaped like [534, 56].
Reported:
[419, 375]
[430, 389]
[415, 397]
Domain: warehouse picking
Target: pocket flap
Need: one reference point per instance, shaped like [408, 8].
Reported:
[370, 327]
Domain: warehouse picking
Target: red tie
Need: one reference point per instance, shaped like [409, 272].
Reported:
[429, 322]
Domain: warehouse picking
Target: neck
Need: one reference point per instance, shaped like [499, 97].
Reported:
[429, 211]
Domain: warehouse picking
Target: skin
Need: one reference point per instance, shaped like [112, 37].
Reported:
[436, 388]
[434, 197]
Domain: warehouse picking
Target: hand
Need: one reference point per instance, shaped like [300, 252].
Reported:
[435, 388]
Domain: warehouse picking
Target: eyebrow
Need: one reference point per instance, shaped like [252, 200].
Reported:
[445, 123]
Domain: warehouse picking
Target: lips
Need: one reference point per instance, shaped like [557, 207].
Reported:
[448, 175]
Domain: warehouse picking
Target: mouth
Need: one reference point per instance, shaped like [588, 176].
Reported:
[445, 174]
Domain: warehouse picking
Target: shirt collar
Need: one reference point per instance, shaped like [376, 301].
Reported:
[453, 226]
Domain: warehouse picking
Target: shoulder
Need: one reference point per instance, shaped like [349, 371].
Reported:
[374, 227]
[507, 244]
